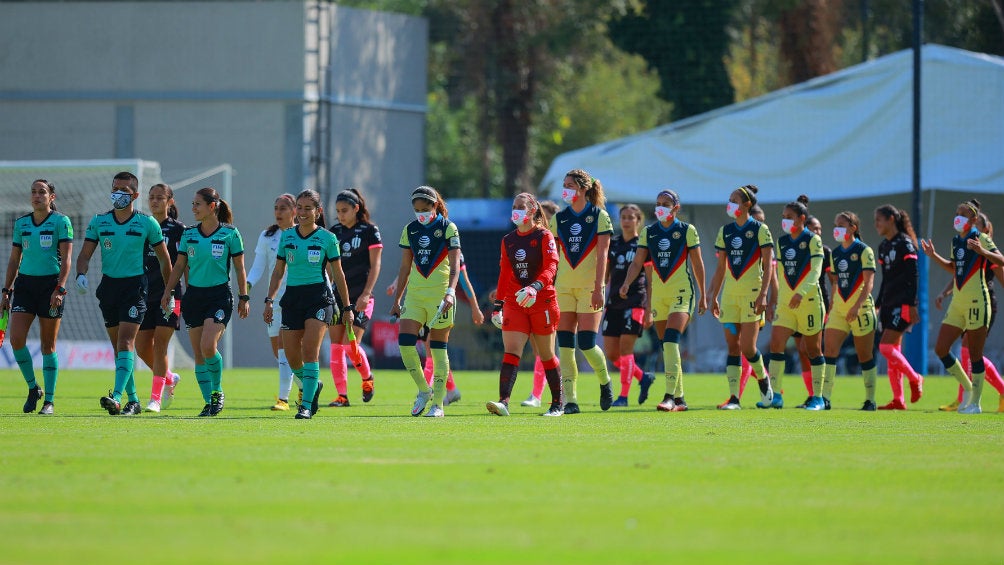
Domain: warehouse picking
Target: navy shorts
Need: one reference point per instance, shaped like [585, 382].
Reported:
[205, 303]
[33, 295]
[122, 300]
[307, 302]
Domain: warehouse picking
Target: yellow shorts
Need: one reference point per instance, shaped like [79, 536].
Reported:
[807, 319]
[419, 307]
[864, 324]
[968, 312]
[672, 301]
[738, 309]
[577, 300]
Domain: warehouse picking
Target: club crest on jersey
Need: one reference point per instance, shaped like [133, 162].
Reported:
[802, 245]
[664, 243]
[521, 254]
[218, 316]
[589, 219]
[629, 256]
[854, 256]
[676, 235]
[789, 253]
[217, 250]
[45, 241]
[424, 241]
[289, 256]
[438, 233]
[892, 255]
[107, 243]
[749, 235]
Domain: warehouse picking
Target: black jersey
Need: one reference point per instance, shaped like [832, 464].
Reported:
[172, 230]
[824, 276]
[898, 258]
[620, 256]
[355, 244]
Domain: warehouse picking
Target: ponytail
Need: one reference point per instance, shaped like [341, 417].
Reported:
[748, 193]
[902, 219]
[51, 188]
[223, 212]
[432, 195]
[314, 197]
[800, 206]
[592, 186]
[538, 219]
[854, 221]
[352, 197]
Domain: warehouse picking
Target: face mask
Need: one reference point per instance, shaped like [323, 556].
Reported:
[732, 210]
[840, 234]
[569, 195]
[960, 223]
[120, 199]
[425, 218]
[788, 226]
[663, 213]
[520, 217]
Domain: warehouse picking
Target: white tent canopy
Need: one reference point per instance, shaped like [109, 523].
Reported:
[844, 135]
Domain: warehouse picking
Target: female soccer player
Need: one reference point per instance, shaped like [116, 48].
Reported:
[361, 252]
[526, 306]
[157, 329]
[583, 232]
[851, 310]
[625, 318]
[745, 254]
[265, 251]
[969, 310]
[549, 208]
[799, 266]
[897, 299]
[429, 269]
[123, 235]
[814, 225]
[667, 244]
[310, 255]
[36, 287]
[206, 252]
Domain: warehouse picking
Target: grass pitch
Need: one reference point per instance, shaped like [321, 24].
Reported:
[371, 484]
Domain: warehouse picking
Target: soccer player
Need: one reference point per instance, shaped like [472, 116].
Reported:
[667, 244]
[969, 310]
[206, 252]
[265, 251]
[582, 231]
[549, 208]
[746, 372]
[123, 235]
[35, 286]
[361, 252]
[799, 266]
[745, 255]
[815, 227]
[158, 328]
[309, 258]
[897, 299]
[526, 305]
[627, 317]
[429, 270]
[851, 310]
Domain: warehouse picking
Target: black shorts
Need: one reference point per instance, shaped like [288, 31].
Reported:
[891, 319]
[33, 295]
[307, 302]
[623, 322]
[993, 308]
[202, 303]
[155, 317]
[122, 300]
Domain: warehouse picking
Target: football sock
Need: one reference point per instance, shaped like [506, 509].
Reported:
[50, 371]
[364, 368]
[157, 388]
[777, 371]
[214, 365]
[23, 358]
[427, 369]
[130, 388]
[539, 376]
[205, 381]
[507, 376]
[309, 373]
[966, 360]
[450, 384]
[829, 378]
[732, 369]
[671, 358]
[979, 377]
[552, 373]
[626, 365]
[569, 367]
[954, 367]
[993, 377]
[745, 373]
[441, 370]
[756, 363]
[870, 374]
[807, 380]
[285, 375]
[594, 355]
[339, 371]
[409, 356]
[817, 367]
[123, 368]
[893, 358]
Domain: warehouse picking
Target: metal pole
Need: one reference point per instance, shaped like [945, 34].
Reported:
[916, 346]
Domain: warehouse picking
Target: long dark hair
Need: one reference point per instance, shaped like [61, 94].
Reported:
[854, 221]
[352, 197]
[270, 231]
[314, 197]
[50, 187]
[172, 210]
[538, 218]
[432, 195]
[223, 212]
[902, 219]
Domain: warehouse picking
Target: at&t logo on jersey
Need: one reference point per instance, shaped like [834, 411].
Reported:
[424, 241]
[789, 253]
[575, 240]
[842, 265]
[521, 254]
[960, 253]
[346, 248]
[737, 242]
[663, 245]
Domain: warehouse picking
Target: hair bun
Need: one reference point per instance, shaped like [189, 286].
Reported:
[803, 198]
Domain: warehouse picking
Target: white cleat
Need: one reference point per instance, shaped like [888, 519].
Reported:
[167, 397]
[531, 401]
[435, 412]
[421, 401]
[971, 408]
[451, 397]
[967, 396]
[766, 393]
[497, 408]
[153, 406]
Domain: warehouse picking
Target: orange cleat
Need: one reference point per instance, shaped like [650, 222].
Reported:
[894, 405]
[916, 390]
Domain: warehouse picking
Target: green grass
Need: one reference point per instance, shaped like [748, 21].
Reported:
[371, 484]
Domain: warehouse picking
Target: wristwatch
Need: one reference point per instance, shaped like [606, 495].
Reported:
[7, 291]
[59, 289]
[268, 300]
[243, 297]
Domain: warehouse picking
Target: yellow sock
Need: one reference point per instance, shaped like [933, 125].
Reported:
[674, 373]
[409, 356]
[569, 372]
[829, 379]
[441, 368]
[598, 361]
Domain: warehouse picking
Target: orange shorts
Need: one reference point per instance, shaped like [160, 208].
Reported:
[541, 319]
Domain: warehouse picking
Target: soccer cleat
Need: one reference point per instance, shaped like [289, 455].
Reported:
[778, 402]
[868, 406]
[435, 412]
[1000, 405]
[34, 395]
[153, 406]
[667, 404]
[315, 405]
[497, 408]
[571, 408]
[643, 385]
[826, 403]
[731, 404]
[916, 390]
[606, 396]
[553, 410]
[46, 408]
[216, 403]
[531, 401]
[167, 397]
[815, 403]
[621, 402]
[950, 407]
[206, 410]
[110, 404]
[340, 402]
[421, 400]
[681, 404]
[303, 413]
[131, 408]
[280, 405]
[451, 397]
[971, 408]
[368, 389]
[766, 393]
[893, 405]
[804, 404]
[967, 397]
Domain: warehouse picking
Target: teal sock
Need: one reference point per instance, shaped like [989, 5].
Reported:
[309, 374]
[298, 377]
[124, 364]
[130, 388]
[205, 383]
[214, 365]
[50, 370]
[23, 358]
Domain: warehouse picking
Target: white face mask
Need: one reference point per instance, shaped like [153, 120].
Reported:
[840, 234]
[788, 226]
[569, 195]
[663, 213]
[121, 199]
[732, 210]
[425, 218]
[520, 217]
[960, 223]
